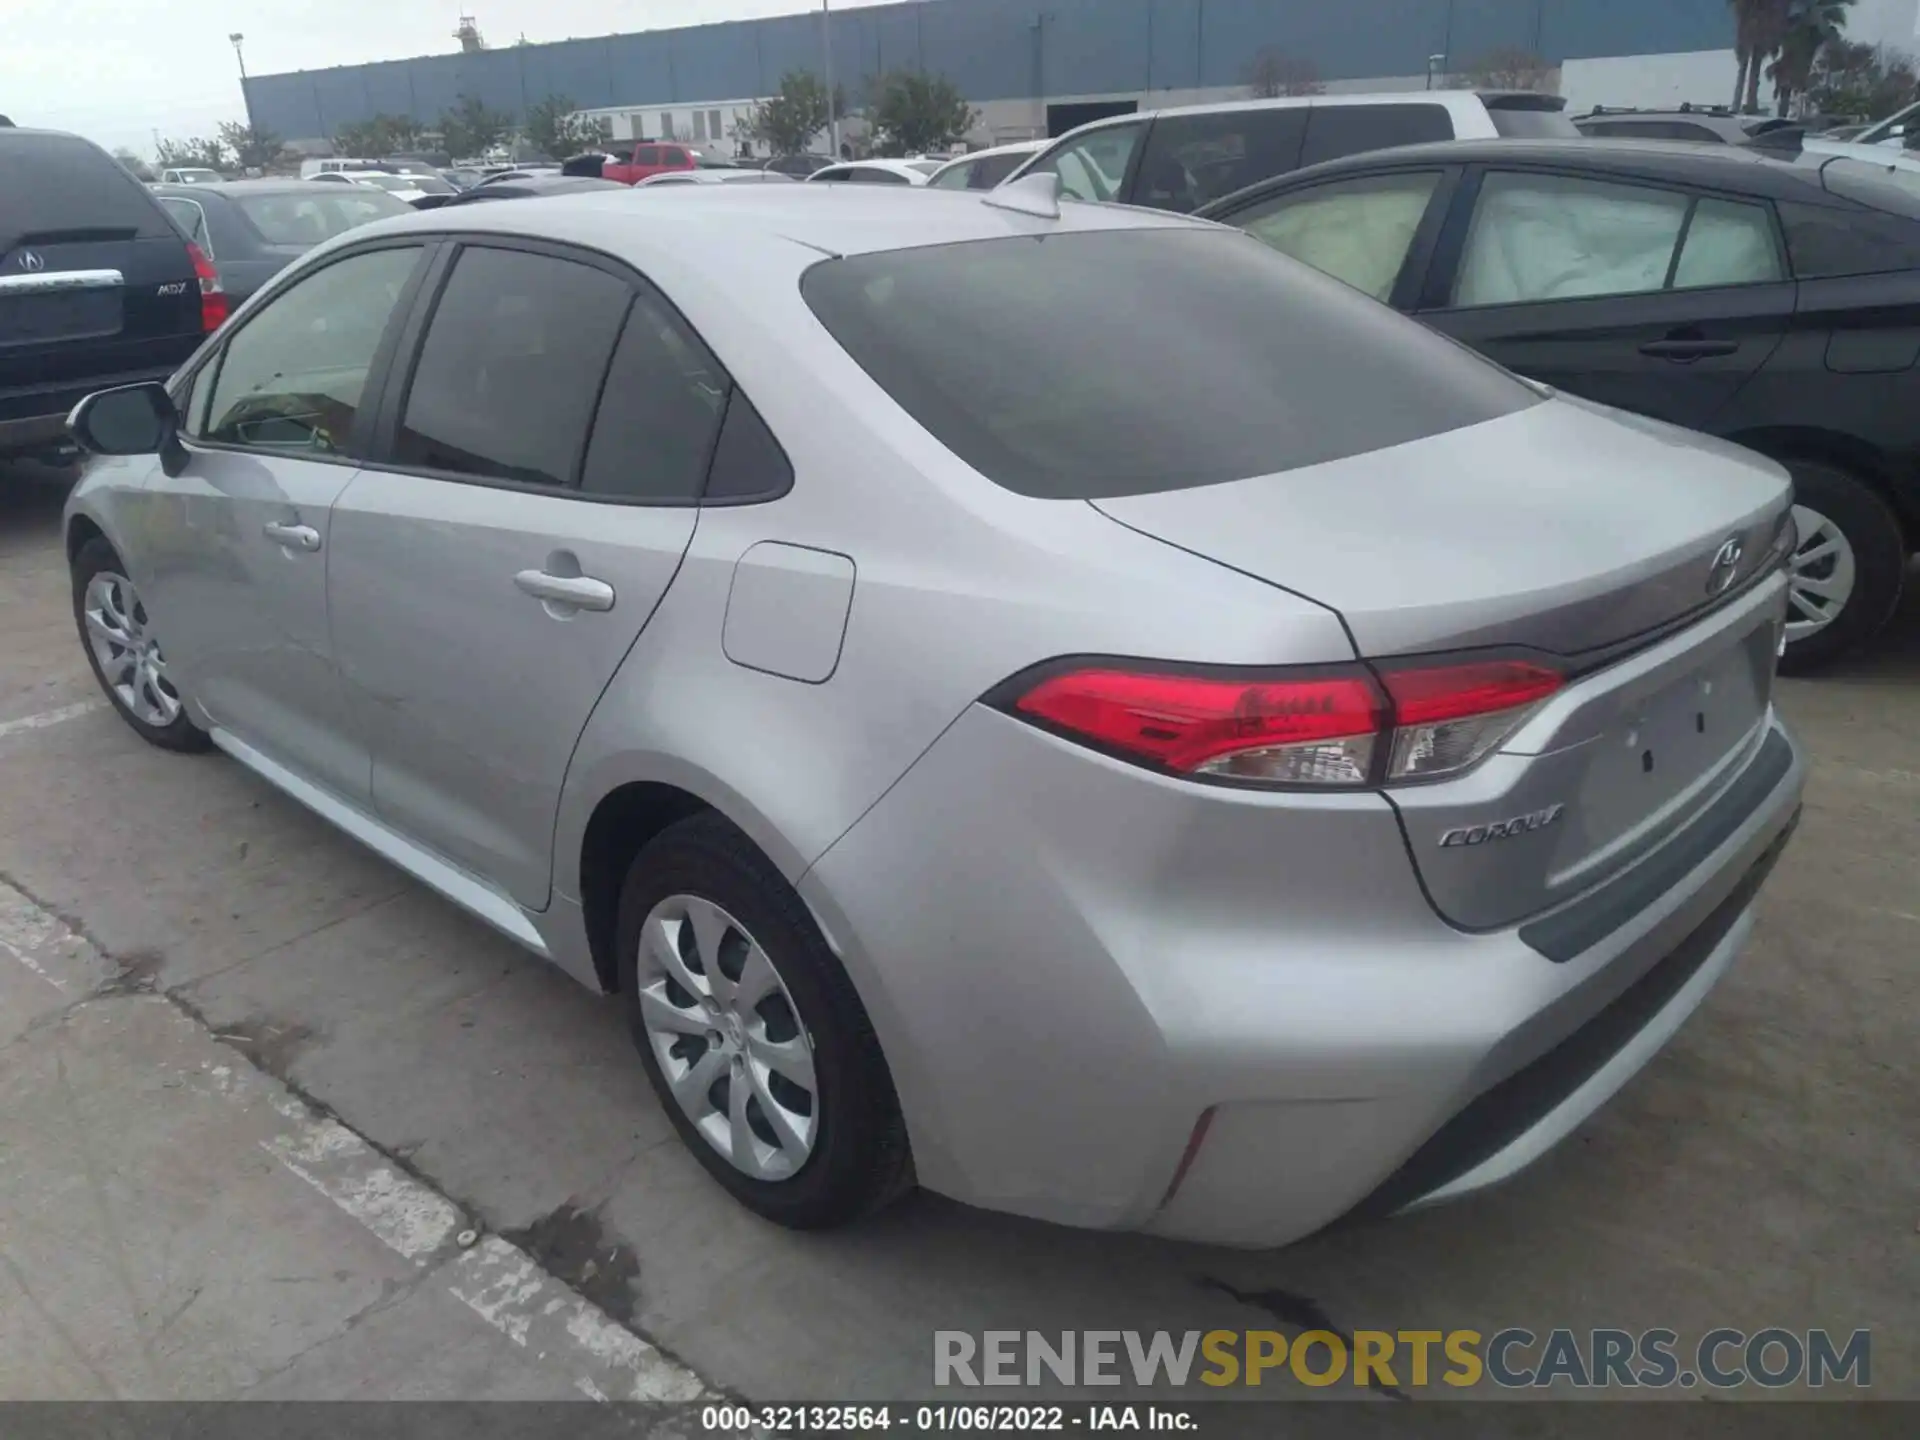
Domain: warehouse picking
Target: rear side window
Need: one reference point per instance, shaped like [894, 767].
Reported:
[1192, 159]
[876, 177]
[1336, 130]
[1827, 241]
[987, 173]
[1093, 166]
[58, 184]
[1023, 357]
[662, 404]
[511, 366]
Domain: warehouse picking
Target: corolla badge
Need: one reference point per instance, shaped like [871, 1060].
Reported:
[1726, 565]
[1502, 829]
[32, 262]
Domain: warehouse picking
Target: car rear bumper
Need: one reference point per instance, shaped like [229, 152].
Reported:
[35, 418]
[1232, 1017]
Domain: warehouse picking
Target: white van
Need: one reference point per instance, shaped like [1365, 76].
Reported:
[1180, 159]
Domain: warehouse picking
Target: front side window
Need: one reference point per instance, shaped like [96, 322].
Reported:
[873, 175]
[1094, 167]
[986, 173]
[647, 155]
[1023, 358]
[510, 368]
[293, 377]
[1192, 159]
[957, 177]
[1358, 231]
[663, 401]
[1553, 237]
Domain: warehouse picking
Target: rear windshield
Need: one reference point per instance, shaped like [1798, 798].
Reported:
[60, 184]
[309, 218]
[1126, 362]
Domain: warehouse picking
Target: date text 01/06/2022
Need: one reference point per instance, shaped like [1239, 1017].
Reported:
[820, 1419]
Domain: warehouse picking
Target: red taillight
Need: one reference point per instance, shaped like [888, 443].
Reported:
[213, 296]
[1315, 727]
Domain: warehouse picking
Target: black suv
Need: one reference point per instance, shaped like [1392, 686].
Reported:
[1769, 298]
[97, 286]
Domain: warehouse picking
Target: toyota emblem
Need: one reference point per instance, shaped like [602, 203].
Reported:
[1726, 565]
[31, 261]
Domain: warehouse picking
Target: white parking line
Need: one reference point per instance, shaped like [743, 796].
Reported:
[50, 717]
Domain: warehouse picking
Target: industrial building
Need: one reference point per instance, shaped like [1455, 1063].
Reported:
[1036, 67]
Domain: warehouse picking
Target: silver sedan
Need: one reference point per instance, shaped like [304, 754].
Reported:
[1055, 703]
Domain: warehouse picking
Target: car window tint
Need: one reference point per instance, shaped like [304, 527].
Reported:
[1094, 166]
[957, 177]
[1826, 241]
[1336, 130]
[1554, 237]
[1192, 159]
[510, 368]
[51, 184]
[190, 218]
[659, 410]
[1527, 123]
[1728, 244]
[1023, 357]
[292, 377]
[748, 463]
[1358, 230]
[869, 176]
[647, 155]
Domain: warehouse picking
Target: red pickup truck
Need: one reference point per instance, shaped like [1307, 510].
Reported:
[647, 158]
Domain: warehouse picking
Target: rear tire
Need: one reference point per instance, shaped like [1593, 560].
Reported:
[848, 1156]
[1846, 527]
[130, 668]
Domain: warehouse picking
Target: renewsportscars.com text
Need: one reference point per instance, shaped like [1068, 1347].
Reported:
[1513, 1358]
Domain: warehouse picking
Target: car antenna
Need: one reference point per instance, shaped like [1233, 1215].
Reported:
[1036, 194]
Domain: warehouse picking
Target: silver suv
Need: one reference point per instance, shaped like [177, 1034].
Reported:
[1310, 772]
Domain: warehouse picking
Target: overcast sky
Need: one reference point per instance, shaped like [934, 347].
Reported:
[118, 70]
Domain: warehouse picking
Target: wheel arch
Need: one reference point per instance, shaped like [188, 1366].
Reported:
[82, 528]
[1865, 462]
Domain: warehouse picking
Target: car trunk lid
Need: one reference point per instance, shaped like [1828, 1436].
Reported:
[1627, 549]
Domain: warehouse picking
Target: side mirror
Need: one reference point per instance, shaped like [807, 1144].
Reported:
[130, 420]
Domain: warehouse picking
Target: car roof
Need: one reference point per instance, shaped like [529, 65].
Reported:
[802, 221]
[238, 189]
[1755, 171]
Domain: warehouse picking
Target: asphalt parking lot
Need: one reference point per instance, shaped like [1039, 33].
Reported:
[1764, 1171]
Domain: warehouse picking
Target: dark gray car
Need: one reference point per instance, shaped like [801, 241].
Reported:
[251, 229]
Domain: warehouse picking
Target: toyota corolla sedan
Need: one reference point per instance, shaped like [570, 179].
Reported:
[1304, 774]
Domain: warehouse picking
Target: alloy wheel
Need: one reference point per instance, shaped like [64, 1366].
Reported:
[727, 1037]
[128, 655]
[1821, 575]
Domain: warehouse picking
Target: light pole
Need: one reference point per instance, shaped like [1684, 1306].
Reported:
[1434, 62]
[245, 99]
[826, 55]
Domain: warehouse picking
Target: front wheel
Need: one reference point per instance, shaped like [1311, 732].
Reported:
[126, 657]
[751, 1032]
[1848, 570]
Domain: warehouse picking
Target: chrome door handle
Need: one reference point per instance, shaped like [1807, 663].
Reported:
[294, 537]
[579, 592]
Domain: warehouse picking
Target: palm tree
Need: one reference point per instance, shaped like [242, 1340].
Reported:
[1759, 26]
[1811, 26]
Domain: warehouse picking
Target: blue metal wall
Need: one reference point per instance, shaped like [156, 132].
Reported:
[992, 49]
